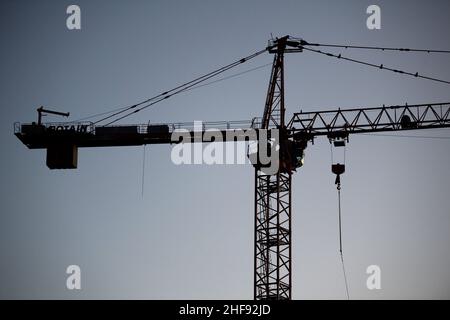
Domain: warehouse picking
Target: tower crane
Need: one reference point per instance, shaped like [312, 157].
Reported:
[273, 196]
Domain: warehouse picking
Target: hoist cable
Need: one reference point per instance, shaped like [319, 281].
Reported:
[340, 242]
[340, 220]
[143, 173]
[338, 187]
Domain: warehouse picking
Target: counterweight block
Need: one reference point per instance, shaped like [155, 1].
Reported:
[62, 156]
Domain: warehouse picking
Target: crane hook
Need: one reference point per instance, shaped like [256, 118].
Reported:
[338, 169]
[338, 140]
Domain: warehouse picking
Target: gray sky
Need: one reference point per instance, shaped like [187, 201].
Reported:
[191, 235]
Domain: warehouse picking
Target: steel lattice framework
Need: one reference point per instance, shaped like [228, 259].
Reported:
[273, 236]
[365, 120]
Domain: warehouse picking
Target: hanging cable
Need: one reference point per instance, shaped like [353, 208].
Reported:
[178, 89]
[381, 67]
[120, 110]
[405, 136]
[230, 77]
[143, 173]
[339, 169]
[374, 48]
[99, 114]
[340, 221]
[340, 241]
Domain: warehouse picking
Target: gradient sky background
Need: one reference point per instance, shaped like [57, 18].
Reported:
[191, 235]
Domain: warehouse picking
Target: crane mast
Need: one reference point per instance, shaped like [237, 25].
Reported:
[273, 196]
[272, 253]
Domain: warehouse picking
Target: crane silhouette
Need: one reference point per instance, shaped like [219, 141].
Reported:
[273, 191]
